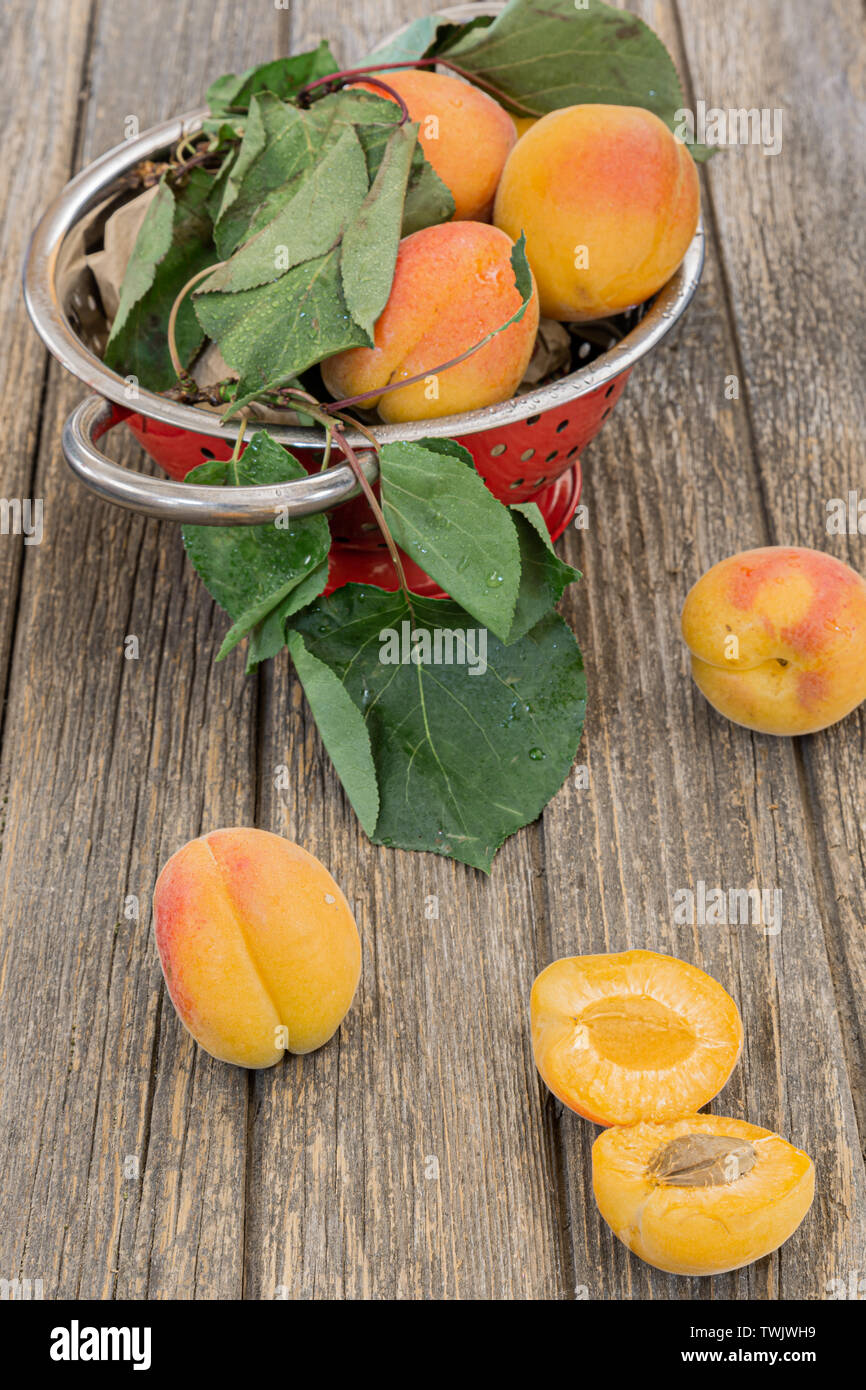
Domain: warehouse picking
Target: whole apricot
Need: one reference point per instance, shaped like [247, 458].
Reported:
[632, 1035]
[778, 639]
[453, 284]
[258, 946]
[609, 201]
[702, 1194]
[464, 134]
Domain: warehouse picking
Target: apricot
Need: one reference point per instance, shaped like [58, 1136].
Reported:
[609, 201]
[632, 1036]
[258, 946]
[464, 134]
[453, 284]
[702, 1194]
[778, 639]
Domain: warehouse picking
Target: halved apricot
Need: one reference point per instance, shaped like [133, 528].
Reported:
[633, 1036]
[702, 1194]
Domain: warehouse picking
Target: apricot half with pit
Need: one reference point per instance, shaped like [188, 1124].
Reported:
[702, 1194]
[633, 1036]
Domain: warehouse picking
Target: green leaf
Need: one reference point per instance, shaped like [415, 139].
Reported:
[268, 638]
[274, 332]
[343, 731]
[236, 167]
[428, 200]
[371, 240]
[284, 77]
[544, 54]
[151, 246]
[250, 570]
[449, 447]
[298, 187]
[173, 244]
[328, 198]
[374, 118]
[275, 153]
[285, 144]
[424, 38]
[522, 278]
[441, 513]
[462, 760]
[414, 42]
[543, 576]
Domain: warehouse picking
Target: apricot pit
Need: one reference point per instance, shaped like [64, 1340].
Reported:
[703, 1194]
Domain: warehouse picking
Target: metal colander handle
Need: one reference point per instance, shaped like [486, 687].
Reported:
[194, 502]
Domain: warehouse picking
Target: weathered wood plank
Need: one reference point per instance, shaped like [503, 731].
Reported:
[417, 1155]
[791, 231]
[410, 1159]
[676, 793]
[44, 38]
[110, 765]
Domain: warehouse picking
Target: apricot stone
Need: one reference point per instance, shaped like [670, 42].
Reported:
[258, 946]
[609, 201]
[778, 639]
[702, 1194]
[632, 1035]
[453, 284]
[464, 133]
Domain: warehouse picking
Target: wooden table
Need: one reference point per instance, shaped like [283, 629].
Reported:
[418, 1155]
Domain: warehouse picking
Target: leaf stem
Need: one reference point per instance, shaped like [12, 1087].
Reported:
[179, 368]
[321, 413]
[341, 77]
[375, 507]
[236, 451]
[180, 169]
[348, 74]
[338, 406]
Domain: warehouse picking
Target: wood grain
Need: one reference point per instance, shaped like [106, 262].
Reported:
[794, 275]
[418, 1155]
[677, 794]
[110, 765]
[422, 1175]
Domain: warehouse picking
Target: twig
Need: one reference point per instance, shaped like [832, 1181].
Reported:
[317, 411]
[348, 74]
[340, 79]
[179, 368]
